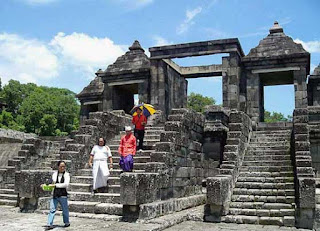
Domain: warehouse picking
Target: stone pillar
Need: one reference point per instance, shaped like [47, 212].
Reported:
[218, 197]
[137, 189]
[107, 98]
[300, 88]
[231, 81]
[143, 91]
[253, 96]
[157, 85]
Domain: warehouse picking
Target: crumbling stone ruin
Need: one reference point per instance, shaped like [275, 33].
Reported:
[242, 169]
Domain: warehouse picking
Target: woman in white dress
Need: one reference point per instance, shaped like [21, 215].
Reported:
[99, 160]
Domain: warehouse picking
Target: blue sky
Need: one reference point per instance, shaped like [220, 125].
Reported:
[63, 42]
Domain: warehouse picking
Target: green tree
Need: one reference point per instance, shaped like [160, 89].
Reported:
[198, 102]
[48, 124]
[275, 117]
[14, 93]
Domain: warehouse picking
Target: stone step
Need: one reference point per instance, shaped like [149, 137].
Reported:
[81, 138]
[269, 139]
[8, 202]
[263, 220]
[142, 153]
[6, 191]
[284, 131]
[25, 153]
[266, 199]
[263, 185]
[266, 169]
[267, 147]
[21, 158]
[89, 180]
[266, 157]
[137, 159]
[267, 152]
[261, 205]
[147, 141]
[9, 186]
[13, 197]
[80, 187]
[262, 212]
[96, 197]
[15, 163]
[114, 172]
[75, 147]
[265, 192]
[93, 122]
[151, 128]
[95, 207]
[265, 179]
[267, 163]
[66, 155]
[270, 143]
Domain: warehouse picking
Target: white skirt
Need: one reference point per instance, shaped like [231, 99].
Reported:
[100, 173]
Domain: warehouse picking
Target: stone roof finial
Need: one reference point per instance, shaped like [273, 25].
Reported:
[136, 46]
[276, 28]
[316, 70]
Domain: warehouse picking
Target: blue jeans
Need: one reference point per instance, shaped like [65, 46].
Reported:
[53, 207]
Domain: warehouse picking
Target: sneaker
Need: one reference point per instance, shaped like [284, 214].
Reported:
[66, 225]
[49, 227]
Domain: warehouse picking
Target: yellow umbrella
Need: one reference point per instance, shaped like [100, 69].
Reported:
[147, 109]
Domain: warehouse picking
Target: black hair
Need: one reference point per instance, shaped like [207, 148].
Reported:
[61, 161]
[104, 141]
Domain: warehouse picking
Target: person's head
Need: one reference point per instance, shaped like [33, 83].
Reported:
[139, 111]
[101, 141]
[128, 130]
[61, 166]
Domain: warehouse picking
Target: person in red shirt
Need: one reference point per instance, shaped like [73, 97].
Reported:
[139, 122]
[127, 149]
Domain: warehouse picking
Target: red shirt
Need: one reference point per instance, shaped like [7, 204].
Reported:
[128, 145]
[137, 121]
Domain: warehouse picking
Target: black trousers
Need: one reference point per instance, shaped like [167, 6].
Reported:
[139, 134]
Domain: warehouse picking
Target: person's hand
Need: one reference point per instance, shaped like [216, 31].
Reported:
[111, 167]
[52, 185]
[42, 185]
[90, 165]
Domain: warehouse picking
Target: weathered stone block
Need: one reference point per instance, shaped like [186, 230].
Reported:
[301, 128]
[165, 147]
[307, 192]
[302, 146]
[139, 188]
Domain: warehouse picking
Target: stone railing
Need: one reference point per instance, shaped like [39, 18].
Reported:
[304, 175]
[12, 136]
[173, 178]
[219, 188]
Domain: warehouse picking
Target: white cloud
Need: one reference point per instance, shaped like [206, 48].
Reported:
[26, 60]
[311, 46]
[31, 60]
[38, 2]
[134, 4]
[84, 52]
[160, 41]
[188, 21]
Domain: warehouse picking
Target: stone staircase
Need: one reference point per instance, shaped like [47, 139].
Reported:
[81, 198]
[26, 159]
[264, 192]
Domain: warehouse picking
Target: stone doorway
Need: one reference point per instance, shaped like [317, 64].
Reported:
[273, 79]
[123, 97]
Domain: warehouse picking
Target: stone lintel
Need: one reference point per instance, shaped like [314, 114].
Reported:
[92, 102]
[275, 70]
[125, 82]
[196, 49]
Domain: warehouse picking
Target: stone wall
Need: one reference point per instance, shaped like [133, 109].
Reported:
[219, 188]
[305, 181]
[314, 134]
[177, 168]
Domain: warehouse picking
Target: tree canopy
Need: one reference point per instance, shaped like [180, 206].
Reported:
[198, 102]
[271, 117]
[38, 109]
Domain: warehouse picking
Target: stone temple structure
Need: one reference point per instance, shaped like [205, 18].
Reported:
[241, 169]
